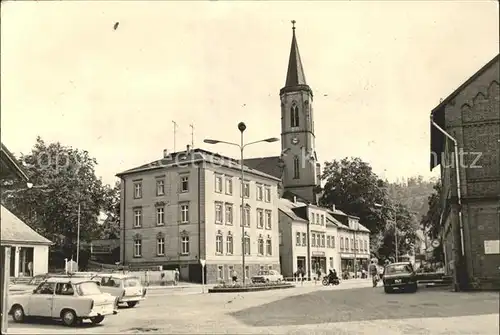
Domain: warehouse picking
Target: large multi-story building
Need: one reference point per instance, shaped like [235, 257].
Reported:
[470, 175]
[186, 207]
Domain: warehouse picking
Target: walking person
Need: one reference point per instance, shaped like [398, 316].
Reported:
[176, 276]
[374, 273]
[234, 276]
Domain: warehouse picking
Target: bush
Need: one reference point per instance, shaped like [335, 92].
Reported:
[250, 285]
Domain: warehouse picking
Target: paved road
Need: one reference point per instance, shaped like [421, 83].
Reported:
[304, 310]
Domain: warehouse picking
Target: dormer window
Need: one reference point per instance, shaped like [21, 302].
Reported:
[294, 116]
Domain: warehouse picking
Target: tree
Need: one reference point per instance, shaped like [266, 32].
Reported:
[430, 222]
[63, 178]
[353, 187]
[111, 226]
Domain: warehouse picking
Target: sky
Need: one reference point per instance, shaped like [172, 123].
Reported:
[376, 68]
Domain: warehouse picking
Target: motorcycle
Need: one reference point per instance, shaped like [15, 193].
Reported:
[326, 281]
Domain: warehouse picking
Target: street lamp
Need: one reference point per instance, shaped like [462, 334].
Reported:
[393, 210]
[242, 127]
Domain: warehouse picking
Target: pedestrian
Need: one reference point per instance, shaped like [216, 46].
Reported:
[176, 276]
[318, 275]
[234, 276]
[374, 273]
[30, 269]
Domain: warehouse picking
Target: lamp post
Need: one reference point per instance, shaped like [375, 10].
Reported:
[393, 210]
[242, 127]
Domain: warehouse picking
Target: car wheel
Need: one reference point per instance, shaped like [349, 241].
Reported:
[68, 317]
[131, 304]
[97, 319]
[387, 289]
[18, 314]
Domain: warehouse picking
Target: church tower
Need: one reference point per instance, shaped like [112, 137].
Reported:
[301, 170]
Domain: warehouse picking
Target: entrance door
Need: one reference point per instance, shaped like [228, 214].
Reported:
[301, 263]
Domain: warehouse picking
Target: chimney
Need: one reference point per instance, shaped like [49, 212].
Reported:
[188, 148]
[165, 153]
[333, 207]
[294, 199]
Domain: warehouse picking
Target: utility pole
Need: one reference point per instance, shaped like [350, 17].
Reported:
[78, 237]
[175, 131]
[192, 135]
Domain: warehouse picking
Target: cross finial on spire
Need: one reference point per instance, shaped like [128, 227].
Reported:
[293, 24]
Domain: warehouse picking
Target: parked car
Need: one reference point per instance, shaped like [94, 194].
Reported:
[66, 298]
[127, 288]
[266, 276]
[400, 276]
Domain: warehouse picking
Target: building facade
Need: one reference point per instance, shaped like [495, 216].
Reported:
[187, 207]
[470, 218]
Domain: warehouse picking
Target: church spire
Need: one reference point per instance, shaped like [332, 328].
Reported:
[295, 75]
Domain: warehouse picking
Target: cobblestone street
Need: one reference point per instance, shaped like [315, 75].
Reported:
[313, 309]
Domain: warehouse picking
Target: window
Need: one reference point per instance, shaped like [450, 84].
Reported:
[218, 244]
[160, 187]
[160, 216]
[366, 246]
[246, 240]
[184, 184]
[342, 243]
[269, 219]
[261, 246]
[137, 218]
[269, 246]
[294, 116]
[281, 238]
[267, 194]
[218, 212]
[333, 241]
[229, 244]
[184, 213]
[137, 247]
[260, 218]
[229, 214]
[317, 218]
[185, 245]
[247, 271]
[304, 239]
[328, 242]
[246, 216]
[318, 240]
[296, 167]
[313, 240]
[246, 189]
[352, 243]
[218, 184]
[230, 270]
[346, 243]
[297, 239]
[160, 246]
[220, 272]
[260, 193]
[322, 220]
[137, 190]
[46, 288]
[323, 241]
[229, 186]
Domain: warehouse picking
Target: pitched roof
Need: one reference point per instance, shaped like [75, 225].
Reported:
[272, 165]
[11, 164]
[193, 156]
[437, 114]
[286, 207]
[15, 231]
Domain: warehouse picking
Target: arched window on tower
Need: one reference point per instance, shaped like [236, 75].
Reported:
[296, 167]
[294, 116]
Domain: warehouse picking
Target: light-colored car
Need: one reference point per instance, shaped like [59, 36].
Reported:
[66, 298]
[127, 288]
[266, 276]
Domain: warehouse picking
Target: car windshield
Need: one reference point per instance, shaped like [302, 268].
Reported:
[35, 281]
[263, 273]
[131, 282]
[88, 288]
[397, 268]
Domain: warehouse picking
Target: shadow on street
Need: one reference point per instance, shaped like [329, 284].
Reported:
[366, 304]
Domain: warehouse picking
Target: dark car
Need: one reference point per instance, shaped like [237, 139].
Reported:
[400, 277]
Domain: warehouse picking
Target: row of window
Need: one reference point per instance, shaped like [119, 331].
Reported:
[230, 269]
[222, 212]
[318, 240]
[223, 184]
[219, 245]
[317, 219]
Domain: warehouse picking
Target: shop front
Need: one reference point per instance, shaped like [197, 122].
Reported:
[318, 261]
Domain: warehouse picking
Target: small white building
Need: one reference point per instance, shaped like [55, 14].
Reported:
[29, 250]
